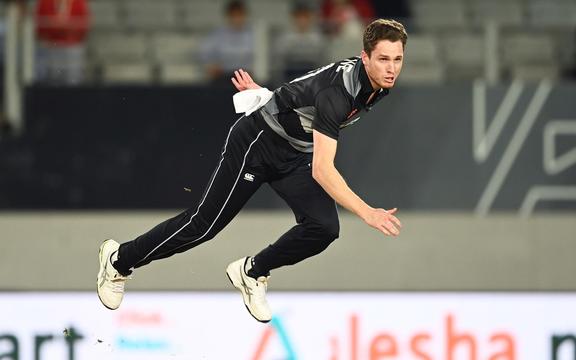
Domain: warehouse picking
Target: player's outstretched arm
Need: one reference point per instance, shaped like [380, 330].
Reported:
[326, 174]
[243, 81]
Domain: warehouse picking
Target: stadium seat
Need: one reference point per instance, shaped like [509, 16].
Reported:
[175, 48]
[151, 15]
[432, 15]
[344, 47]
[509, 12]
[527, 48]
[117, 46]
[422, 61]
[105, 15]
[464, 55]
[276, 13]
[422, 49]
[181, 74]
[552, 13]
[125, 73]
[422, 74]
[529, 56]
[203, 14]
[534, 72]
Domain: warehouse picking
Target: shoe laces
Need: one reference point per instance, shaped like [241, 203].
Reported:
[117, 283]
[118, 287]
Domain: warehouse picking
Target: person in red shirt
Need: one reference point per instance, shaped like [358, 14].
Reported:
[340, 15]
[61, 28]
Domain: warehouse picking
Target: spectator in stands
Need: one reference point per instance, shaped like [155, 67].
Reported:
[230, 47]
[302, 48]
[346, 17]
[62, 26]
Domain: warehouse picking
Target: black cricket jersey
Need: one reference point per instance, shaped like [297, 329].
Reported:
[326, 100]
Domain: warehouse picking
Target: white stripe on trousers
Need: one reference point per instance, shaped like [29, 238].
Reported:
[205, 195]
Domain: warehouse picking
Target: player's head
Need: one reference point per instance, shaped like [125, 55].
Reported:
[303, 17]
[236, 13]
[383, 53]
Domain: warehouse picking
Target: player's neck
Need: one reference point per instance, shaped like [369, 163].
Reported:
[375, 86]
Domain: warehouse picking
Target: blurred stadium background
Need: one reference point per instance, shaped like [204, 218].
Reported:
[112, 116]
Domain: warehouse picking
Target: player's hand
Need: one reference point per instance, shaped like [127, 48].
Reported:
[243, 81]
[384, 221]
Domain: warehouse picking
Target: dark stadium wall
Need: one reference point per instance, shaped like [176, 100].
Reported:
[456, 147]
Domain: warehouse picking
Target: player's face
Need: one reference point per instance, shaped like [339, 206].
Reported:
[384, 63]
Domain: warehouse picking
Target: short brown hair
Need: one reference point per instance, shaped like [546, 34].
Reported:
[235, 5]
[383, 29]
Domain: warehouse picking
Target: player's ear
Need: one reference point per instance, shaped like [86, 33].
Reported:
[364, 57]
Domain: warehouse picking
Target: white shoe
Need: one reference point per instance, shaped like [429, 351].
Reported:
[110, 281]
[253, 290]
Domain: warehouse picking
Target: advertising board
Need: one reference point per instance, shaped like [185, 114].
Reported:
[309, 325]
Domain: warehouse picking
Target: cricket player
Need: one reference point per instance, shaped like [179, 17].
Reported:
[288, 140]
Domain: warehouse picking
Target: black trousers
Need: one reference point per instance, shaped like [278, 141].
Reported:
[252, 155]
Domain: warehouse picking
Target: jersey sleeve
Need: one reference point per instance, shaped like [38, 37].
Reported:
[332, 108]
